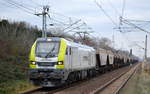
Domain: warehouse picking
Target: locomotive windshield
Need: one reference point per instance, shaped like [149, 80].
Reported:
[47, 49]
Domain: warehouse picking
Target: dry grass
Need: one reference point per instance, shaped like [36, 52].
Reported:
[14, 87]
[138, 84]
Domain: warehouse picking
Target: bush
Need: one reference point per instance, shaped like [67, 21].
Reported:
[16, 39]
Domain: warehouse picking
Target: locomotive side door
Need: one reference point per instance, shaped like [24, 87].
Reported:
[69, 57]
[75, 62]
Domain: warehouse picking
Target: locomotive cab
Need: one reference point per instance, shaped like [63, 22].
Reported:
[47, 60]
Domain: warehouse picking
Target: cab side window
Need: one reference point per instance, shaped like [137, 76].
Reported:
[67, 51]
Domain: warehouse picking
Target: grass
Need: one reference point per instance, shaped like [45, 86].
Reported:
[13, 76]
[14, 87]
[138, 84]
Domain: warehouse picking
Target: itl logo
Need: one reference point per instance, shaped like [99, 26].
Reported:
[110, 58]
[46, 59]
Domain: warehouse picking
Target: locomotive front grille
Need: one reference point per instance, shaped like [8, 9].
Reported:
[46, 64]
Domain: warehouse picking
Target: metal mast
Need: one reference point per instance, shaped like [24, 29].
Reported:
[145, 48]
[145, 56]
[44, 25]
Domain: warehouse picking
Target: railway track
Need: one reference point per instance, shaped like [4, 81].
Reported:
[116, 84]
[95, 85]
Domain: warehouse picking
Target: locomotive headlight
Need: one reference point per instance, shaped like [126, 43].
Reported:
[60, 63]
[33, 63]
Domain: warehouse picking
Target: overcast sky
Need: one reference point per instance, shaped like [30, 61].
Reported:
[89, 12]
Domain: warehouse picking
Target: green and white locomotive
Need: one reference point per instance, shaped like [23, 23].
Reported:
[54, 61]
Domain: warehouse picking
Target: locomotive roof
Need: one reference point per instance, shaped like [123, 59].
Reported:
[69, 42]
[74, 44]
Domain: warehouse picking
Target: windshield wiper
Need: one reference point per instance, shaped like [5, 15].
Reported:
[50, 51]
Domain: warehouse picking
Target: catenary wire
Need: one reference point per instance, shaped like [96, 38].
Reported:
[116, 11]
[23, 9]
[105, 13]
[18, 4]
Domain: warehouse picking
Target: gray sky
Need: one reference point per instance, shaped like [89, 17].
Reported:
[88, 11]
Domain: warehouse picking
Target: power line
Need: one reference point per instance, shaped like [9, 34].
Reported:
[56, 20]
[138, 20]
[28, 4]
[110, 3]
[122, 13]
[77, 27]
[121, 16]
[72, 24]
[59, 14]
[15, 6]
[4, 4]
[123, 8]
[16, 3]
[35, 3]
[55, 14]
[19, 7]
[25, 10]
[105, 13]
[135, 26]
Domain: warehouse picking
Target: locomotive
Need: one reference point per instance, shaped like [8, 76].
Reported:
[55, 61]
